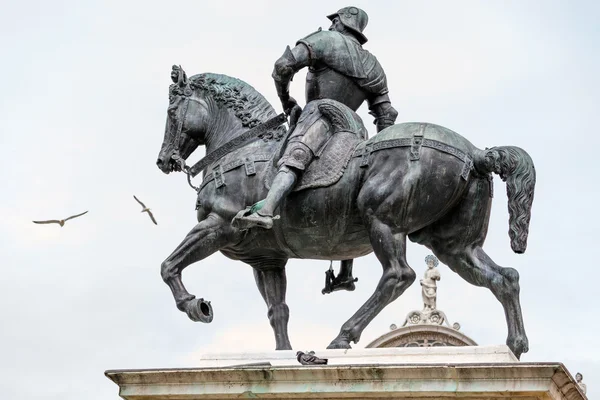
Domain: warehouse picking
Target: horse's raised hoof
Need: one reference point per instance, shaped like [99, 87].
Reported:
[199, 310]
[518, 345]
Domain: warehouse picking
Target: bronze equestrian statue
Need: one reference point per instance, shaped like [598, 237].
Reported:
[416, 180]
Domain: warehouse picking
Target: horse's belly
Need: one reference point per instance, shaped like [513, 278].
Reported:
[318, 244]
[324, 223]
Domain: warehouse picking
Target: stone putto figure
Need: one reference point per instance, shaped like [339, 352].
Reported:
[428, 283]
[579, 379]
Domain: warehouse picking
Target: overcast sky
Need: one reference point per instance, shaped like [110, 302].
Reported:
[83, 100]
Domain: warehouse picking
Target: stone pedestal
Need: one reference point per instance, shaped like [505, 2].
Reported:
[404, 373]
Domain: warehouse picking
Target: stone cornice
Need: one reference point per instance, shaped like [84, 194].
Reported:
[489, 381]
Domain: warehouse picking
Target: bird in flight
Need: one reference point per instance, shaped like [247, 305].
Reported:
[146, 209]
[61, 222]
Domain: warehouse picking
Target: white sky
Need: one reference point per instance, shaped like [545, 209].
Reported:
[83, 99]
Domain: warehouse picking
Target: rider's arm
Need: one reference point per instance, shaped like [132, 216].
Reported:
[381, 108]
[286, 66]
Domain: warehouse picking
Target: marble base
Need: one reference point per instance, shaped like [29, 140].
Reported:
[423, 373]
[380, 356]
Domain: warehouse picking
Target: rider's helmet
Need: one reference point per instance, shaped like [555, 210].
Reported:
[354, 19]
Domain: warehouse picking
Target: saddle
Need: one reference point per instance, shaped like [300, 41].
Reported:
[329, 167]
[346, 133]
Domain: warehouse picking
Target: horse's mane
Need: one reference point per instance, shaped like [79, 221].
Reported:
[246, 102]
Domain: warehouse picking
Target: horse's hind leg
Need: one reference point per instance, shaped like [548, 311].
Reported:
[477, 268]
[457, 241]
[272, 283]
[390, 249]
[206, 238]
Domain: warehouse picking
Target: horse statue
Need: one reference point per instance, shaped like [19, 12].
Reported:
[415, 180]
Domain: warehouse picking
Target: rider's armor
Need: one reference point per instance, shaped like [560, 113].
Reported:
[339, 69]
[354, 19]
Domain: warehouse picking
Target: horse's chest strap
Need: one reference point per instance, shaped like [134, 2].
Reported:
[219, 170]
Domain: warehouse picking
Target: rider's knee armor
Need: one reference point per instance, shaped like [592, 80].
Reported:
[297, 155]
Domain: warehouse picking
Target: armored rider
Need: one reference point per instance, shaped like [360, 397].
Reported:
[339, 69]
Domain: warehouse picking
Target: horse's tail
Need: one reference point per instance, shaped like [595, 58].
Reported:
[516, 168]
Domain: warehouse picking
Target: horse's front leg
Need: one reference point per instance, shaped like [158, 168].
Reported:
[272, 283]
[206, 238]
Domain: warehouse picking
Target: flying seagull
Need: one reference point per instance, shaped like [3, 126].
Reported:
[61, 222]
[146, 209]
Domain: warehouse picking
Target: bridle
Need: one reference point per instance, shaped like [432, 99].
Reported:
[175, 137]
[182, 88]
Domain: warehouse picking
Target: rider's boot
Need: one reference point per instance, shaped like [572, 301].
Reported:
[343, 281]
[263, 217]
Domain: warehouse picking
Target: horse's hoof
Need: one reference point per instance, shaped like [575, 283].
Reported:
[199, 310]
[341, 344]
[518, 345]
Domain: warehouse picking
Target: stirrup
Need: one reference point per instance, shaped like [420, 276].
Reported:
[333, 284]
[245, 220]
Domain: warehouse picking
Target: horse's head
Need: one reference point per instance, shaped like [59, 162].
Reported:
[210, 109]
[186, 123]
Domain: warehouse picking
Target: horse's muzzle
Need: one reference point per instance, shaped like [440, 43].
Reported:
[165, 166]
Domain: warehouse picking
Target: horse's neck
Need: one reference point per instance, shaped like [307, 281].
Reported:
[224, 128]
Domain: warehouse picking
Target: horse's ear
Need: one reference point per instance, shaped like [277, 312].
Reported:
[182, 80]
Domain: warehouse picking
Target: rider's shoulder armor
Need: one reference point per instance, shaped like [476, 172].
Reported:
[346, 56]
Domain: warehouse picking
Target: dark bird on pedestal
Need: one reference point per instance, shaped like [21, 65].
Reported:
[146, 209]
[60, 222]
[310, 358]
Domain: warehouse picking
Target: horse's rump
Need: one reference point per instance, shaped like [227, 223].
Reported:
[428, 131]
[419, 169]
[417, 135]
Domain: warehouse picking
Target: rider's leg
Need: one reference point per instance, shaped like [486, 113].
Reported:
[345, 275]
[263, 217]
[343, 281]
[294, 161]
[282, 186]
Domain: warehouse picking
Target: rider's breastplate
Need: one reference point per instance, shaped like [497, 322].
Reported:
[326, 83]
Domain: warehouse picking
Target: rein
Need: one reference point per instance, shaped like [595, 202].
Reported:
[176, 139]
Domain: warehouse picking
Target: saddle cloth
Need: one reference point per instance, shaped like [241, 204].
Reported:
[329, 167]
